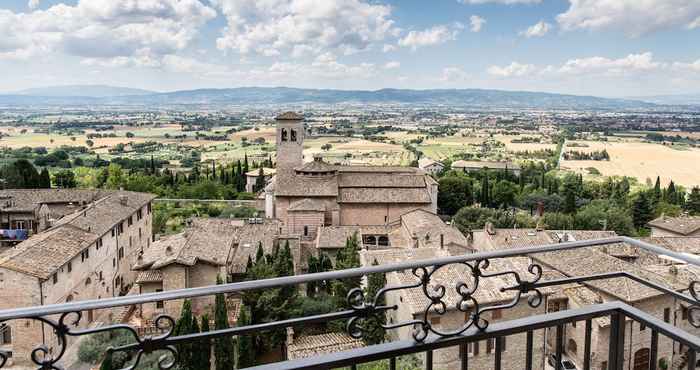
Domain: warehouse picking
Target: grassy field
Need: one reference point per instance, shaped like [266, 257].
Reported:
[642, 160]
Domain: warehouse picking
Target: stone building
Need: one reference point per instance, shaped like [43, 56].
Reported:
[251, 177]
[305, 197]
[430, 165]
[412, 304]
[675, 226]
[25, 212]
[590, 261]
[474, 166]
[87, 254]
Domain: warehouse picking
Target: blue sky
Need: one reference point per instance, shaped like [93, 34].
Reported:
[596, 47]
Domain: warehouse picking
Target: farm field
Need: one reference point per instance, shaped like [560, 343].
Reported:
[642, 160]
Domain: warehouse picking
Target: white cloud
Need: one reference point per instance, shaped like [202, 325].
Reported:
[694, 24]
[691, 67]
[515, 69]
[431, 36]
[453, 74]
[633, 17]
[388, 47]
[392, 65]
[476, 23]
[537, 30]
[626, 65]
[507, 2]
[33, 4]
[105, 29]
[304, 26]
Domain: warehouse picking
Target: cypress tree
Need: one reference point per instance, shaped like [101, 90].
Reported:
[223, 346]
[246, 168]
[373, 331]
[107, 363]
[260, 181]
[485, 189]
[693, 204]
[641, 210]
[184, 326]
[657, 189]
[45, 179]
[203, 350]
[213, 170]
[246, 348]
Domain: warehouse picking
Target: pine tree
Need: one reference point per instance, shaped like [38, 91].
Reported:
[671, 195]
[224, 352]
[213, 170]
[657, 190]
[246, 348]
[373, 331]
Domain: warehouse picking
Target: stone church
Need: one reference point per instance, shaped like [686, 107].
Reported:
[305, 197]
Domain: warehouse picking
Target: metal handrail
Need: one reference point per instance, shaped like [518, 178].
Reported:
[331, 275]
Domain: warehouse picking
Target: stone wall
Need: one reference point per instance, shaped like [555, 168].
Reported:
[375, 214]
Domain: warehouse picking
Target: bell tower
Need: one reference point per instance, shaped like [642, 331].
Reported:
[290, 141]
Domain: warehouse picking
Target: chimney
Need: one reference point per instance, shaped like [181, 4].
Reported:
[123, 200]
[488, 227]
[290, 336]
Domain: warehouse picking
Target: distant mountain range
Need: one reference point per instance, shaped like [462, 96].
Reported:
[684, 99]
[93, 91]
[477, 98]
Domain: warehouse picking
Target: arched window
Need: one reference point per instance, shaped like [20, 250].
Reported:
[284, 134]
[383, 241]
[306, 231]
[69, 298]
[293, 135]
[572, 347]
[88, 281]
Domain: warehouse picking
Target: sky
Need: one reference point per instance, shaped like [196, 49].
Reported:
[616, 48]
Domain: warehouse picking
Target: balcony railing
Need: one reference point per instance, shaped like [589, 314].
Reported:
[427, 338]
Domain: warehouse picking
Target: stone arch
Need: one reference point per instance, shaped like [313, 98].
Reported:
[284, 135]
[69, 298]
[293, 135]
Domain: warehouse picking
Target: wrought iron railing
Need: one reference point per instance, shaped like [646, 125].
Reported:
[64, 319]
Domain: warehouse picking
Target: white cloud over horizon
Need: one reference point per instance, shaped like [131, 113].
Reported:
[539, 29]
[435, 35]
[476, 23]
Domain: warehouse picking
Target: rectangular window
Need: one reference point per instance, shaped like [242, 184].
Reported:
[474, 348]
[148, 208]
[5, 334]
[306, 231]
[642, 326]
[667, 315]
[55, 277]
[139, 215]
[130, 221]
[121, 253]
[684, 313]
[159, 304]
[489, 345]
[113, 233]
[70, 267]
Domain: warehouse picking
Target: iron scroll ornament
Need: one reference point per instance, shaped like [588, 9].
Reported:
[47, 359]
[694, 309]
[468, 303]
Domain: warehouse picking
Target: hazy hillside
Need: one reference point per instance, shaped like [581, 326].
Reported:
[93, 91]
[96, 95]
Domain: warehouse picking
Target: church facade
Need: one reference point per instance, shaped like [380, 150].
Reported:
[304, 197]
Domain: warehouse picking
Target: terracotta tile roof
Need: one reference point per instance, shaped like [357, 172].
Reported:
[256, 172]
[27, 200]
[205, 240]
[487, 164]
[380, 180]
[305, 186]
[149, 276]
[386, 169]
[590, 261]
[246, 244]
[315, 166]
[384, 195]
[428, 227]
[315, 345]
[43, 254]
[684, 225]
[289, 116]
[334, 237]
[307, 205]
[517, 238]
[426, 162]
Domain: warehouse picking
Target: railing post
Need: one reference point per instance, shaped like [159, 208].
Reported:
[429, 360]
[465, 356]
[560, 347]
[587, 346]
[616, 350]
